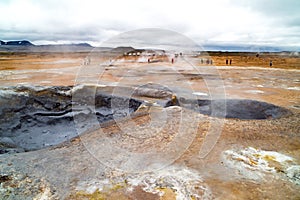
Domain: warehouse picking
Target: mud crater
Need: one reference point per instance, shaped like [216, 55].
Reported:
[36, 117]
[236, 108]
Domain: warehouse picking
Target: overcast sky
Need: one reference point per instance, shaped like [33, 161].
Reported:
[221, 22]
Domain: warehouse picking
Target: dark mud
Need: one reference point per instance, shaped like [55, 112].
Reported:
[36, 117]
[236, 108]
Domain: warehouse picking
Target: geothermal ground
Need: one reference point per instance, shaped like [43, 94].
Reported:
[78, 126]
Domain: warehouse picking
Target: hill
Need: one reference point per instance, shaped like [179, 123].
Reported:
[17, 43]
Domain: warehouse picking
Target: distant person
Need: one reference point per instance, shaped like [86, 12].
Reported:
[230, 61]
[211, 62]
[207, 61]
[110, 62]
[148, 60]
[271, 63]
[85, 61]
[172, 60]
[201, 61]
[226, 61]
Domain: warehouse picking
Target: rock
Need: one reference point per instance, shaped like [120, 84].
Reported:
[153, 93]
[293, 173]
[4, 178]
[15, 150]
[7, 142]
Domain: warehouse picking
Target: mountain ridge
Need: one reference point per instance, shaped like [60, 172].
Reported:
[17, 44]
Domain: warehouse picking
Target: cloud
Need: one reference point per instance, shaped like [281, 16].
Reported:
[265, 22]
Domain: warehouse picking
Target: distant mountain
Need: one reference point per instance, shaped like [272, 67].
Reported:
[17, 43]
[122, 49]
[28, 43]
[67, 45]
[26, 46]
[83, 45]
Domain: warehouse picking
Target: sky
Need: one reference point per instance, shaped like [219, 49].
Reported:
[274, 23]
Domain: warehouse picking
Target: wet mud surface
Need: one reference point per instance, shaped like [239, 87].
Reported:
[38, 117]
[236, 108]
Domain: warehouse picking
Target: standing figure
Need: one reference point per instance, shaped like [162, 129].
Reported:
[271, 63]
[226, 61]
[211, 62]
[172, 60]
[230, 61]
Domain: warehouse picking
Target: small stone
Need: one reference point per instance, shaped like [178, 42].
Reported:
[15, 150]
[8, 142]
[293, 173]
[29, 181]
[4, 178]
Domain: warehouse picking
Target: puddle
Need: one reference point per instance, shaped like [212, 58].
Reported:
[295, 106]
[200, 93]
[57, 62]
[293, 88]
[255, 91]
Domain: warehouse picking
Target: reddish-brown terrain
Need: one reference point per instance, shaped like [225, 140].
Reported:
[251, 153]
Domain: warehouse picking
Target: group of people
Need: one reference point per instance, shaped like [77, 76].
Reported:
[87, 61]
[230, 61]
[208, 61]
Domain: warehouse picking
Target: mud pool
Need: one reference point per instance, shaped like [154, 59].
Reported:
[38, 117]
[236, 108]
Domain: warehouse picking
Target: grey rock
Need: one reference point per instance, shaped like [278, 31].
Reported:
[7, 142]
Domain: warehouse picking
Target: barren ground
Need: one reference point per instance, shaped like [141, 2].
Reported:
[232, 170]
